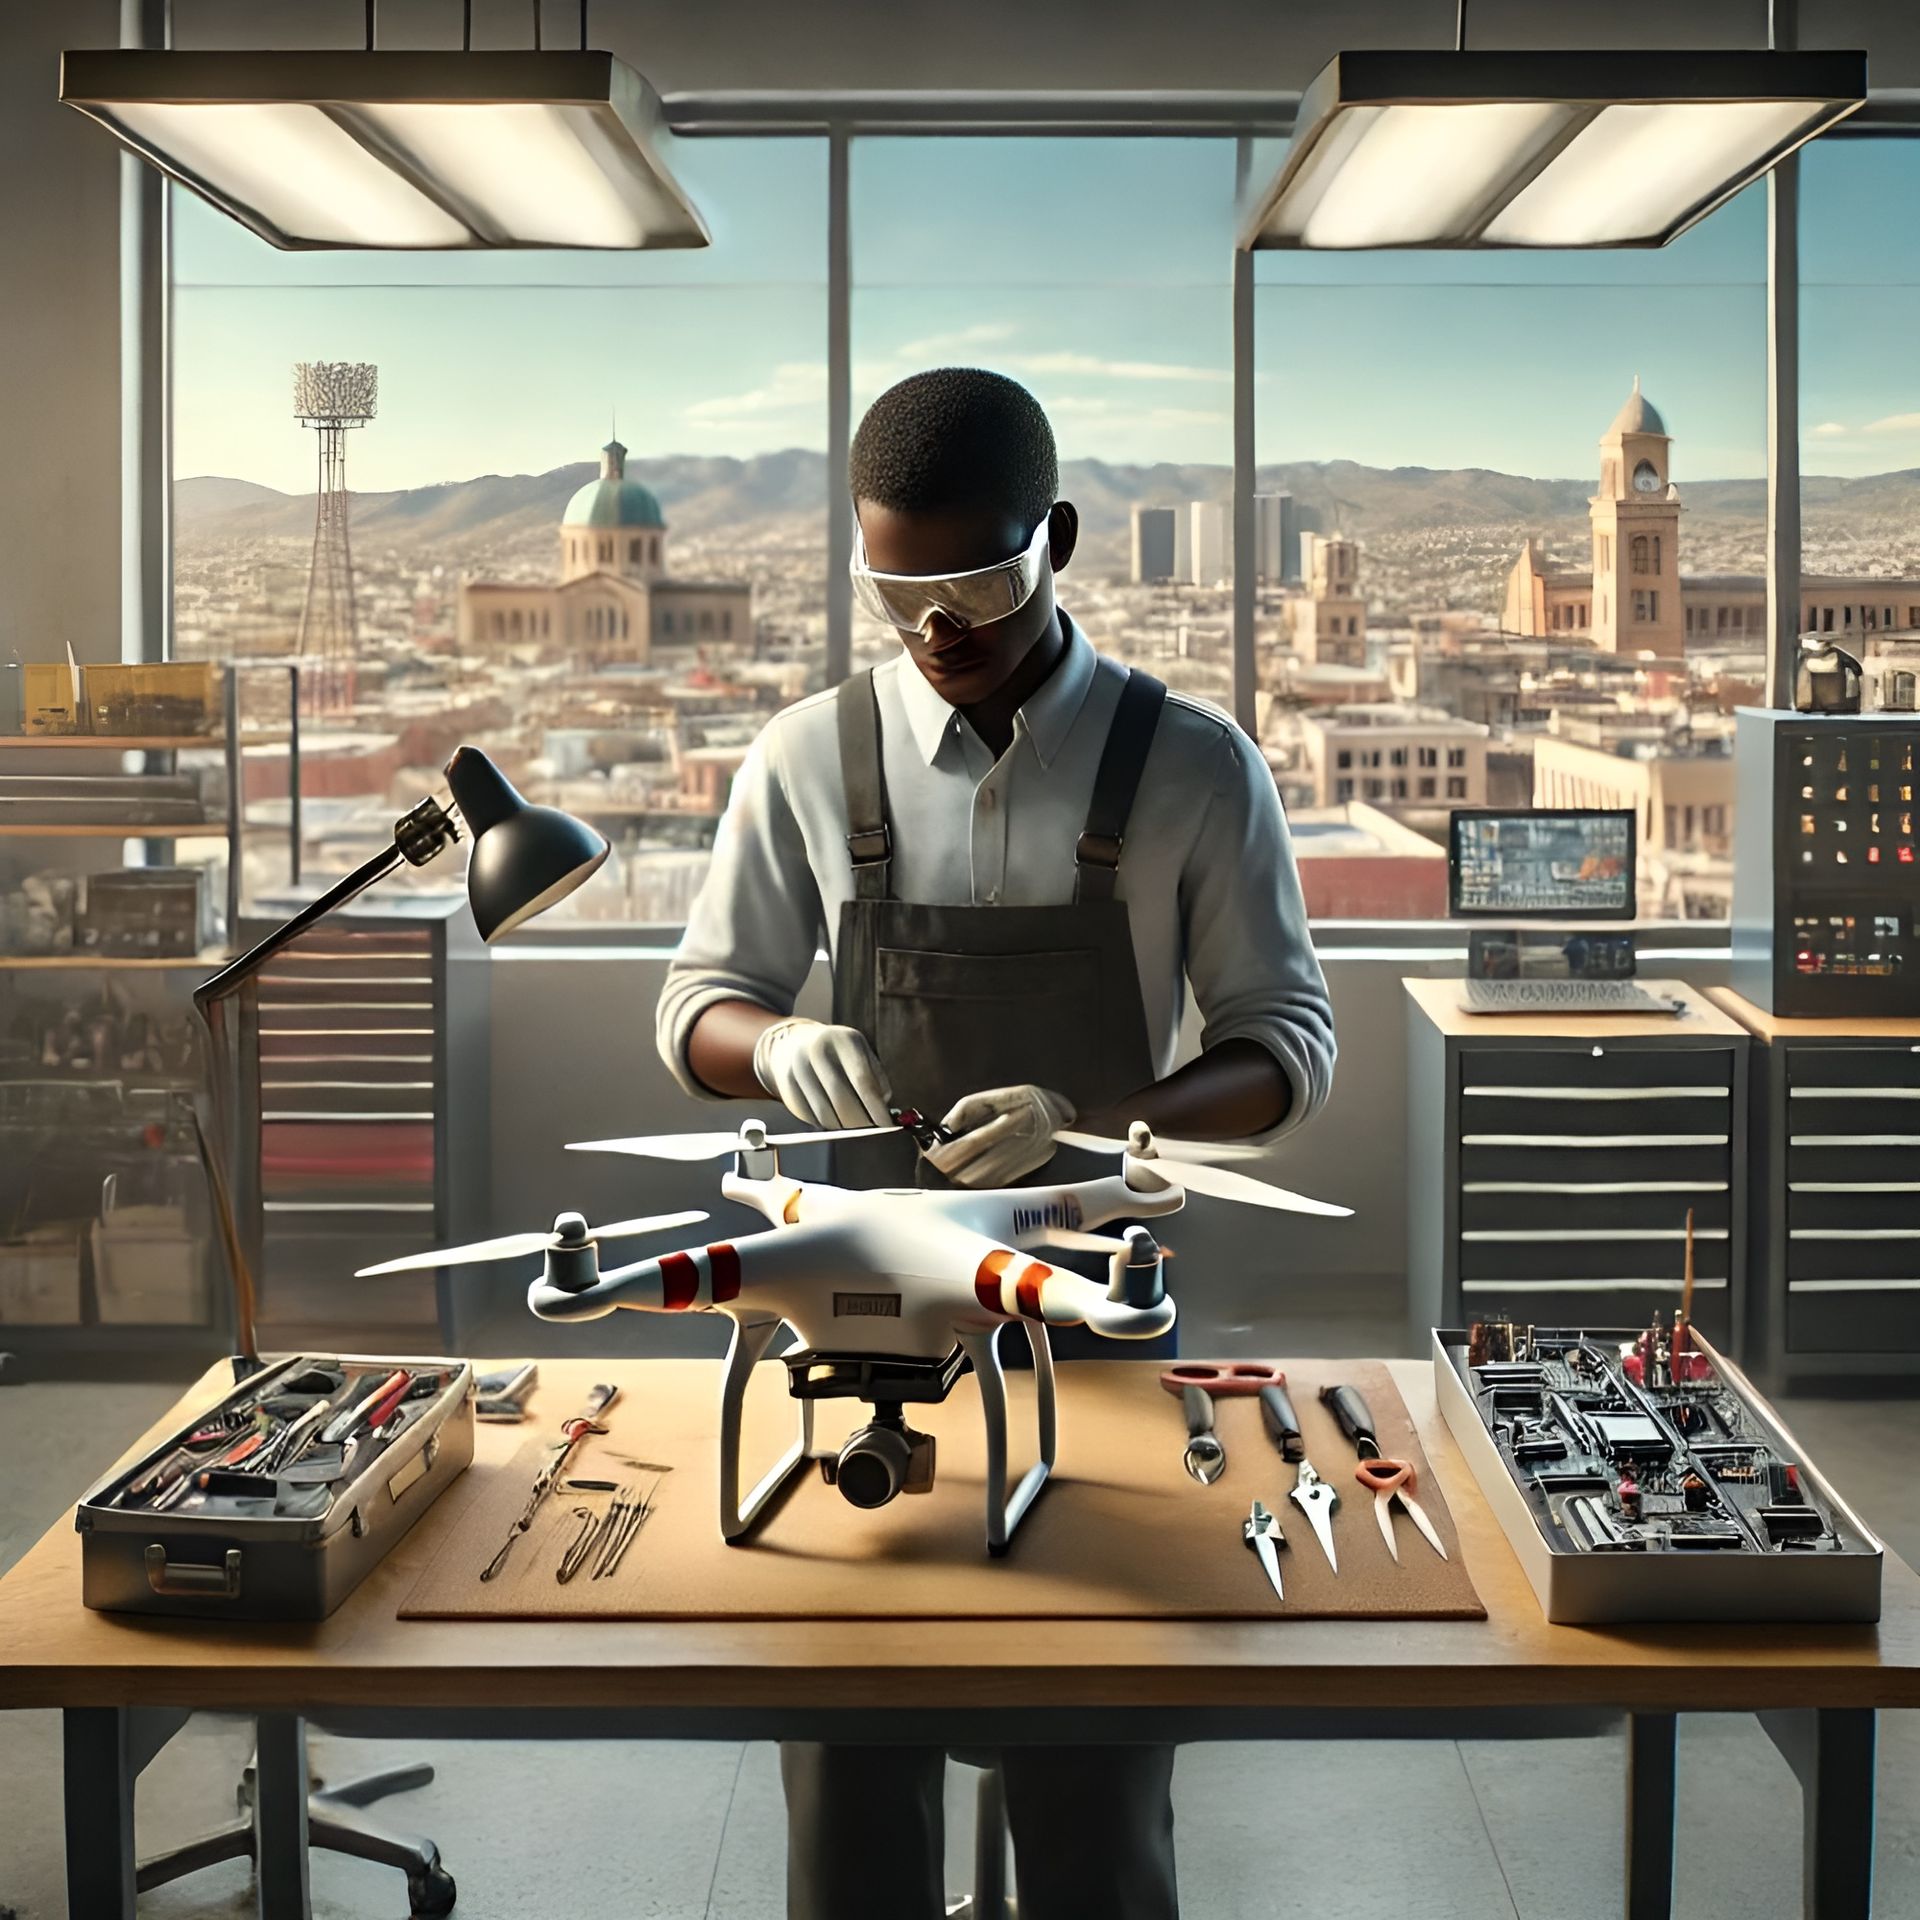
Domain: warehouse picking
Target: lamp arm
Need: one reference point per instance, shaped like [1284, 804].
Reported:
[418, 838]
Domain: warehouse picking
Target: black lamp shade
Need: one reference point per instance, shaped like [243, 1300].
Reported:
[524, 857]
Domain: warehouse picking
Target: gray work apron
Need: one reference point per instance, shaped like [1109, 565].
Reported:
[955, 1000]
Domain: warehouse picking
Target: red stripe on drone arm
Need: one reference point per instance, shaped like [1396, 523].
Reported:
[725, 1262]
[679, 1281]
[1026, 1290]
[987, 1277]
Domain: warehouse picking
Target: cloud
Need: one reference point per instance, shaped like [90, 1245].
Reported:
[936, 346]
[794, 383]
[1097, 368]
[1896, 423]
[1828, 430]
[1076, 406]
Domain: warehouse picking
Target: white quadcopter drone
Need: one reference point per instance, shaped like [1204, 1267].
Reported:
[890, 1292]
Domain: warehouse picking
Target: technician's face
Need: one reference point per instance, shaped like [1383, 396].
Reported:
[966, 665]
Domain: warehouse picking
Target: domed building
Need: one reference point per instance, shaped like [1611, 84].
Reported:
[614, 600]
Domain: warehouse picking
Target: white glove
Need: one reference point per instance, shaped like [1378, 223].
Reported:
[1004, 1133]
[827, 1076]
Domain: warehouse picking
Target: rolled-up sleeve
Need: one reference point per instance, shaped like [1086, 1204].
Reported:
[757, 923]
[1249, 956]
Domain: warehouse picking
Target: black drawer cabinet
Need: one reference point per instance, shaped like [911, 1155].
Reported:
[1553, 1161]
[1835, 1229]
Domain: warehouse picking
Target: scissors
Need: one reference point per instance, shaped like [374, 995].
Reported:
[1390, 1480]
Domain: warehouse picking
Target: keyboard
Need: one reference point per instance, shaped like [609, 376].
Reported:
[1561, 996]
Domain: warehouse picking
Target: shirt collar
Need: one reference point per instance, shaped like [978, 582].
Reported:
[1046, 718]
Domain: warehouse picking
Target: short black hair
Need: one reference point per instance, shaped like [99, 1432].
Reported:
[957, 437]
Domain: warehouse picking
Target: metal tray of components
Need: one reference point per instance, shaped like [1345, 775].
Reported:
[233, 1562]
[1745, 1573]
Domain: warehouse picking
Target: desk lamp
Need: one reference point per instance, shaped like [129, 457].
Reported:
[524, 859]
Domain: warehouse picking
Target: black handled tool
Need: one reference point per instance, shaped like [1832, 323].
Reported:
[1282, 1424]
[1355, 1417]
[1206, 1458]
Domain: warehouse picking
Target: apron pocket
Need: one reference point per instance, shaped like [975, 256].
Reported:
[989, 1020]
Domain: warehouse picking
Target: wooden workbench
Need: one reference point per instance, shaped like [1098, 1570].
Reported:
[958, 1682]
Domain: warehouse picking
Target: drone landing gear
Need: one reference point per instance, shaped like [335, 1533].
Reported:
[751, 1339]
[1004, 1511]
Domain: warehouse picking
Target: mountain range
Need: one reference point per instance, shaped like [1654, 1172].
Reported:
[702, 494]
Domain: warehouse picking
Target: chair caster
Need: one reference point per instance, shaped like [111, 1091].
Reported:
[431, 1895]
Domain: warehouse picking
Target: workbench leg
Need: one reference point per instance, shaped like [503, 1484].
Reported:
[99, 1770]
[1651, 1742]
[1832, 1750]
[280, 1816]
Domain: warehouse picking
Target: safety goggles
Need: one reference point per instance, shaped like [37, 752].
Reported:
[909, 600]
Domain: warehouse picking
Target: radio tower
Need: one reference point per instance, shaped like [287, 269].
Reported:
[331, 396]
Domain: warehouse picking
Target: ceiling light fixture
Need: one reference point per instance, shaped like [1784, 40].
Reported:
[1437, 149]
[416, 150]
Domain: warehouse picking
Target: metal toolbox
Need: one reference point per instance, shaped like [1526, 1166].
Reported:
[242, 1558]
[1836, 1577]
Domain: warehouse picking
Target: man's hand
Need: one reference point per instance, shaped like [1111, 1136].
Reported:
[827, 1076]
[1004, 1133]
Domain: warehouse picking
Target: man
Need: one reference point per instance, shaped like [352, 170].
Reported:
[1020, 856]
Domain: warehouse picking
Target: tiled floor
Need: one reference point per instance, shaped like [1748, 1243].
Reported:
[1481, 1830]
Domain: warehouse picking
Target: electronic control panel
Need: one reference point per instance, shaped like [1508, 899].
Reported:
[1827, 863]
[1644, 1450]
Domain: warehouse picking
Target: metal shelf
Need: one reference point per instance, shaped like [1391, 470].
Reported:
[139, 743]
[107, 963]
[118, 830]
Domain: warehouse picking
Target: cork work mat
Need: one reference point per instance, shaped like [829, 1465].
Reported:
[1120, 1531]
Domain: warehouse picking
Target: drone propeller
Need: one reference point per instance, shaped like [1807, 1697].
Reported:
[713, 1146]
[516, 1246]
[1193, 1164]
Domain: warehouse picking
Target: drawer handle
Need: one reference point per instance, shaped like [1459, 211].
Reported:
[1597, 1093]
[1595, 1140]
[183, 1577]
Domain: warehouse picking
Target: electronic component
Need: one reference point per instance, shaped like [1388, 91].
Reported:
[1631, 1436]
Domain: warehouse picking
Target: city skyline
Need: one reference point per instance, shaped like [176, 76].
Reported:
[1435, 360]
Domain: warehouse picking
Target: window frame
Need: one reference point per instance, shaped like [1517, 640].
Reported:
[1248, 119]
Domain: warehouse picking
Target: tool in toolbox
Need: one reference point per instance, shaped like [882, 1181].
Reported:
[1317, 1500]
[572, 1432]
[1197, 1382]
[1387, 1479]
[1261, 1531]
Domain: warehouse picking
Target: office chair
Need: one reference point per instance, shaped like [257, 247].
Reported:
[275, 1830]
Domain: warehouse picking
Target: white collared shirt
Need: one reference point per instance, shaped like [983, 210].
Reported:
[1207, 874]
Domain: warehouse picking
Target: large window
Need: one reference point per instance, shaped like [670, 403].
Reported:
[1098, 273]
[614, 626]
[1859, 402]
[1538, 481]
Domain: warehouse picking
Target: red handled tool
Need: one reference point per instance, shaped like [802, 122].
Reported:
[1388, 1481]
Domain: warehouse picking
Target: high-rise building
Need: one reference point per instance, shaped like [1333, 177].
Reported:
[1154, 543]
[1276, 538]
[1208, 542]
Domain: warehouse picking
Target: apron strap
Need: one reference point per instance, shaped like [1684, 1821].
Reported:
[869, 838]
[1096, 858]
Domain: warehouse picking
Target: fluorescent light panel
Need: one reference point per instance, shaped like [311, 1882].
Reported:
[411, 150]
[1539, 149]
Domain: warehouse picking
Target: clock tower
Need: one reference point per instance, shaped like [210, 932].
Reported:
[1636, 537]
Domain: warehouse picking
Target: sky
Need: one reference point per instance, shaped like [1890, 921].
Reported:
[1097, 271]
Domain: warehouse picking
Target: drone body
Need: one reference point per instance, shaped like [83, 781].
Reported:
[891, 1293]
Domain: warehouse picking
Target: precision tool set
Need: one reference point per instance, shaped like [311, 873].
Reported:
[1196, 1383]
[1639, 1477]
[275, 1503]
